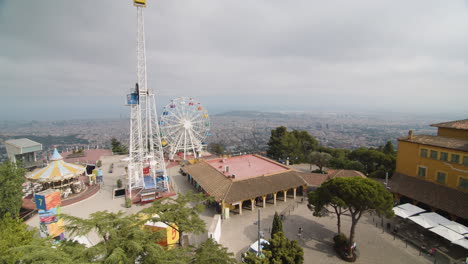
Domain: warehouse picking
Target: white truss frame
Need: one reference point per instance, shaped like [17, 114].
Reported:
[145, 140]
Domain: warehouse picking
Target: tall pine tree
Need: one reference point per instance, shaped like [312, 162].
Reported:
[277, 225]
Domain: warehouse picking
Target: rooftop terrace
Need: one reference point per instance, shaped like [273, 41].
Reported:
[246, 166]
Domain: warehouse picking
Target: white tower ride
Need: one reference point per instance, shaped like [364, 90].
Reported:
[146, 168]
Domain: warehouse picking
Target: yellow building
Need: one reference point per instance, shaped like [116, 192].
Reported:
[432, 171]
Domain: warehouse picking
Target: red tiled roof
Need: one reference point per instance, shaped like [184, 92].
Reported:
[316, 179]
[90, 156]
[216, 184]
[458, 124]
[313, 179]
[438, 141]
[345, 174]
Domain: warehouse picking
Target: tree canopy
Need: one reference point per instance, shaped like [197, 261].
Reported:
[277, 225]
[210, 252]
[321, 159]
[295, 145]
[216, 149]
[123, 238]
[281, 250]
[11, 192]
[118, 147]
[355, 194]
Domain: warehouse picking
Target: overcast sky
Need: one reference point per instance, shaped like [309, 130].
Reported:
[78, 58]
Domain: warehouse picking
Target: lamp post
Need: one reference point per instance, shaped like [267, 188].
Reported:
[258, 242]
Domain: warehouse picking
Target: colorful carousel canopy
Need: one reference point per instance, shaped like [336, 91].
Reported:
[57, 170]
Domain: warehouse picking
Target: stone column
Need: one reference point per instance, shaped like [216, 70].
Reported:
[240, 207]
[252, 202]
[264, 201]
[274, 198]
[294, 194]
[285, 193]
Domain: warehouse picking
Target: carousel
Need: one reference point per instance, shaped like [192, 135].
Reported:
[59, 175]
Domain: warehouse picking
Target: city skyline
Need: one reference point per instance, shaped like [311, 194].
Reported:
[77, 59]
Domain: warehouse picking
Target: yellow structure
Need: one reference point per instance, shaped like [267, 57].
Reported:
[433, 170]
[139, 3]
[442, 159]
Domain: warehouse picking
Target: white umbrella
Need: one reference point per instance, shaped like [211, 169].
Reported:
[411, 209]
[459, 228]
[446, 233]
[462, 242]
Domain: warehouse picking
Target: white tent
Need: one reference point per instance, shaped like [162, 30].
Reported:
[462, 242]
[446, 233]
[459, 228]
[412, 209]
[407, 210]
[401, 212]
[254, 247]
[429, 220]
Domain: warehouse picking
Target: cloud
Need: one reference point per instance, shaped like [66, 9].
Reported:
[371, 50]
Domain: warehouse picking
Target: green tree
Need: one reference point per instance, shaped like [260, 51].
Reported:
[118, 147]
[210, 252]
[13, 233]
[181, 213]
[321, 159]
[388, 148]
[122, 239]
[252, 258]
[11, 179]
[355, 194]
[276, 148]
[281, 250]
[295, 144]
[277, 225]
[216, 148]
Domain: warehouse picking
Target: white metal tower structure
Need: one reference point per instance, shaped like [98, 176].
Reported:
[146, 168]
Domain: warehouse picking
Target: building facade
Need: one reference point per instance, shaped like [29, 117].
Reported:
[24, 150]
[433, 170]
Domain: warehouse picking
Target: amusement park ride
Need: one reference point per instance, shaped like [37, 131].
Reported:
[184, 125]
[146, 167]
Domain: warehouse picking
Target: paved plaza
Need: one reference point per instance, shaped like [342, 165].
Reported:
[240, 231]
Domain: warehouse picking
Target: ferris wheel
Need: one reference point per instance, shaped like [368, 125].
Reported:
[184, 126]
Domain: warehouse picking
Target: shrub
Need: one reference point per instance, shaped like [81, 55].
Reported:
[128, 202]
[119, 183]
[340, 240]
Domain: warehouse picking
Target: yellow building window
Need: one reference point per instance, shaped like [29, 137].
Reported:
[463, 184]
[433, 154]
[441, 177]
[455, 158]
[422, 171]
[424, 153]
[465, 161]
[443, 156]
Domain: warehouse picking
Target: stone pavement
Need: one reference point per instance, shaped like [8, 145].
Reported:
[240, 231]
[317, 237]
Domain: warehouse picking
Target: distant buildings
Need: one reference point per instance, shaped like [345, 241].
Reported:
[432, 171]
[24, 150]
